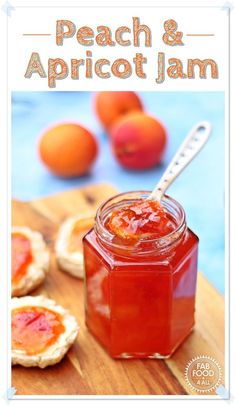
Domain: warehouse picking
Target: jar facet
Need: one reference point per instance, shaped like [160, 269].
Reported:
[141, 304]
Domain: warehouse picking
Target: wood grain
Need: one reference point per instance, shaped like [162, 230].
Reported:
[87, 368]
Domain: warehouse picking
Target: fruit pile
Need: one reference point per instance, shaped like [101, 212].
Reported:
[138, 140]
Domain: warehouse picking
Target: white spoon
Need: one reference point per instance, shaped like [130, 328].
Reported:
[191, 146]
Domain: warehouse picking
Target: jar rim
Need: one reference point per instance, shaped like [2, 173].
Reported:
[161, 242]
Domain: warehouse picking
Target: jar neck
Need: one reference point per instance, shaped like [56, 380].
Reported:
[144, 247]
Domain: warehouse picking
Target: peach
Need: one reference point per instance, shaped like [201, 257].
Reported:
[110, 106]
[138, 141]
[68, 150]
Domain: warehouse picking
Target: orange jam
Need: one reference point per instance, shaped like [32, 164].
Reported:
[21, 256]
[34, 329]
[141, 268]
[140, 219]
[81, 227]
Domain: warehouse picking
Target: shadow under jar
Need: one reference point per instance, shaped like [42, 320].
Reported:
[140, 298]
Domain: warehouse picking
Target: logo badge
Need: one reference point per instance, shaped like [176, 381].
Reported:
[203, 374]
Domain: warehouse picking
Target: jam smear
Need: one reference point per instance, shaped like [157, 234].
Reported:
[140, 219]
[80, 229]
[35, 328]
[21, 256]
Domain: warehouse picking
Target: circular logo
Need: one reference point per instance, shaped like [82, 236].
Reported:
[203, 373]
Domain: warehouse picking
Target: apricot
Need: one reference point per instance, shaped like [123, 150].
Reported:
[138, 141]
[111, 106]
[68, 150]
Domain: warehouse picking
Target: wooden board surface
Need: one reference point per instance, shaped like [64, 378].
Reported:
[87, 368]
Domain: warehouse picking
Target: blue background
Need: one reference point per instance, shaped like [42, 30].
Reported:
[200, 188]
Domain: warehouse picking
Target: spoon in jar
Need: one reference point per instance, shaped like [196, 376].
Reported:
[191, 146]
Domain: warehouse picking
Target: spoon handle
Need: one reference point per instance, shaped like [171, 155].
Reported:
[192, 144]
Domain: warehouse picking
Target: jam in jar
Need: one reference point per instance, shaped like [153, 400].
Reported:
[140, 275]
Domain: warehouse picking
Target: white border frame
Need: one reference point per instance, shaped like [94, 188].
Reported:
[6, 221]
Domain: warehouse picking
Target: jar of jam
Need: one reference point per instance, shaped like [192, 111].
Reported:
[140, 276]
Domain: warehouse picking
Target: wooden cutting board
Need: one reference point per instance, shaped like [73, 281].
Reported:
[87, 369]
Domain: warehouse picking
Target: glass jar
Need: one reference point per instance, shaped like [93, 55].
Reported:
[140, 299]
